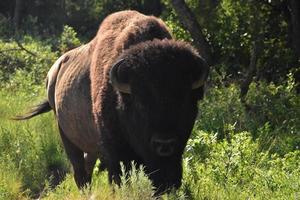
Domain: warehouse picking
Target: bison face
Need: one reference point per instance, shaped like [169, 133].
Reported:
[158, 85]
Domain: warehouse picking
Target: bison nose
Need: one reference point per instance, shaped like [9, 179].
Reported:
[163, 147]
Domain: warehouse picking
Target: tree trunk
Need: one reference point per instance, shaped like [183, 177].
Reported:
[152, 7]
[295, 21]
[17, 14]
[251, 70]
[189, 21]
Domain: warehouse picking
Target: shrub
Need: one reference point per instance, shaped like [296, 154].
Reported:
[221, 106]
[270, 113]
[235, 168]
[135, 185]
[273, 114]
[34, 58]
[68, 39]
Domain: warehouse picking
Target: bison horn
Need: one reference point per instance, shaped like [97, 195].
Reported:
[204, 73]
[115, 78]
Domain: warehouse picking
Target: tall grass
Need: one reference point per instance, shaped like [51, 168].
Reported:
[29, 147]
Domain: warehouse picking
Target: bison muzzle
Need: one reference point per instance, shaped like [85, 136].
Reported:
[130, 94]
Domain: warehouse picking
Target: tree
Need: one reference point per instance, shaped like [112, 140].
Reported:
[190, 22]
[152, 7]
[294, 6]
[248, 40]
[291, 10]
[17, 13]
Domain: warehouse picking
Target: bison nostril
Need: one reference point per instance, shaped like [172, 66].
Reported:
[163, 147]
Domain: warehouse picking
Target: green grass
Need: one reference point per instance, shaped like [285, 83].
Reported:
[234, 166]
[28, 147]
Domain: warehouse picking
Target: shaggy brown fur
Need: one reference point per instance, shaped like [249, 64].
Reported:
[152, 124]
[118, 32]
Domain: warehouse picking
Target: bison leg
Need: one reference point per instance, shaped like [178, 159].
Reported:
[76, 156]
[114, 173]
[90, 161]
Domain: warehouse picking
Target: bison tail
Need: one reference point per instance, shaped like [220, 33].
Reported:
[41, 108]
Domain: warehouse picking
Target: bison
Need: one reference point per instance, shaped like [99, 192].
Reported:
[130, 94]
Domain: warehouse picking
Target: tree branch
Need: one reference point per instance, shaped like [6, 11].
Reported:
[251, 70]
[189, 21]
[21, 48]
[24, 49]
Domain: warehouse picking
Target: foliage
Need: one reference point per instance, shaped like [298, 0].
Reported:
[220, 107]
[6, 28]
[171, 19]
[33, 58]
[233, 27]
[275, 108]
[175, 28]
[135, 185]
[264, 113]
[68, 39]
[241, 23]
[25, 63]
[235, 168]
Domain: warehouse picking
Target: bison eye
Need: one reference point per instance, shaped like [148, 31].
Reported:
[119, 77]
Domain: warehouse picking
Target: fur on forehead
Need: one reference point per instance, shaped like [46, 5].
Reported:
[156, 50]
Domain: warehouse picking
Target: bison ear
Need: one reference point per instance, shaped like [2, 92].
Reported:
[200, 74]
[119, 77]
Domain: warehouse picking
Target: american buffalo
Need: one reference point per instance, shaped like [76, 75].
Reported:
[130, 94]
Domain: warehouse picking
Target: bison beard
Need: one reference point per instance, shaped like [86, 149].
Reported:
[128, 95]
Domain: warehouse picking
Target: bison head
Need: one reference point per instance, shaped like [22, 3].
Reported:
[158, 84]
